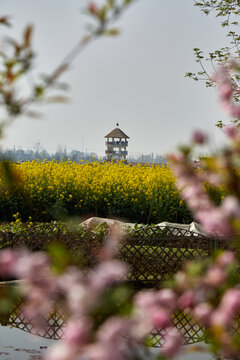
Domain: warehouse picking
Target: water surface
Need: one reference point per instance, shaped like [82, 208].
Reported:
[16, 344]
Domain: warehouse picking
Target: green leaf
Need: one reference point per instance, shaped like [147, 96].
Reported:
[60, 256]
[38, 91]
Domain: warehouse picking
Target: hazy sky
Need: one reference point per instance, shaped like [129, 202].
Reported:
[136, 79]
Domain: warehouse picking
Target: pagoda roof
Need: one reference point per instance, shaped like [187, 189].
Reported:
[117, 133]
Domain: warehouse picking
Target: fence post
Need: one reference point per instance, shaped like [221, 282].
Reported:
[215, 244]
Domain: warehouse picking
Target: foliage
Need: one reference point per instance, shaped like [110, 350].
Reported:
[222, 8]
[229, 12]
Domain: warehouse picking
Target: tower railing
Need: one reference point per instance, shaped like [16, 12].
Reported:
[117, 143]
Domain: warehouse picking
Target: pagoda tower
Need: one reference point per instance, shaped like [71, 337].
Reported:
[116, 144]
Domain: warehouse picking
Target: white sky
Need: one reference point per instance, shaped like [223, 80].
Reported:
[136, 79]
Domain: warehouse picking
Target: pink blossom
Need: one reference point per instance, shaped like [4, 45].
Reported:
[155, 306]
[173, 342]
[107, 273]
[80, 299]
[103, 351]
[145, 298]
[220, 318]
[203, 312]
[193, 190]
[231, 301]
[92, 7]
[186, 300]
[231, 206]
[215, 222]
[31, 265]
[141, 326]
[223, 79]
[215, 276]
[227, 107]
[177, 157]
[221, 76]
[182, 177]
[225, 259]
[235, 111]
[199, 137]
[71, 277]
[38, 305]
[160, 318]
[214, 179]
[77, 331]
[226, 91]
[167, 298]
[113, 329]
[8, 259]
[231, 131]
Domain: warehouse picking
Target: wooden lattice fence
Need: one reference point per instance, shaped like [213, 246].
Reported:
[191, 330]
[54, 323]
[153, 254]
[54, 329]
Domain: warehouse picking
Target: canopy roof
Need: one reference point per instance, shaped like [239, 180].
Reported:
[117, 133]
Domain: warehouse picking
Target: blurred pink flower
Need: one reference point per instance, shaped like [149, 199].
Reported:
[8, 259]
[92, 7]
[226, 91]
[231, 301]
[160, 318]
[186, 300]
[231, 206]
[80, 299]
[32, 266]
[173, 342]
[77, 331]
[140, 326]
[199, 137]
[203, 312]
[166, 298]
[107, 273]
[231, 131]
[220, 319]
[215, 276]
[103, 351]
[71, 277]
[145, 298]
[226, 258]
[215, 222]
[222, 78]
[113, 329]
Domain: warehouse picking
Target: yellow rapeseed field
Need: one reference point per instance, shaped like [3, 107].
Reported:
[136, 193]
